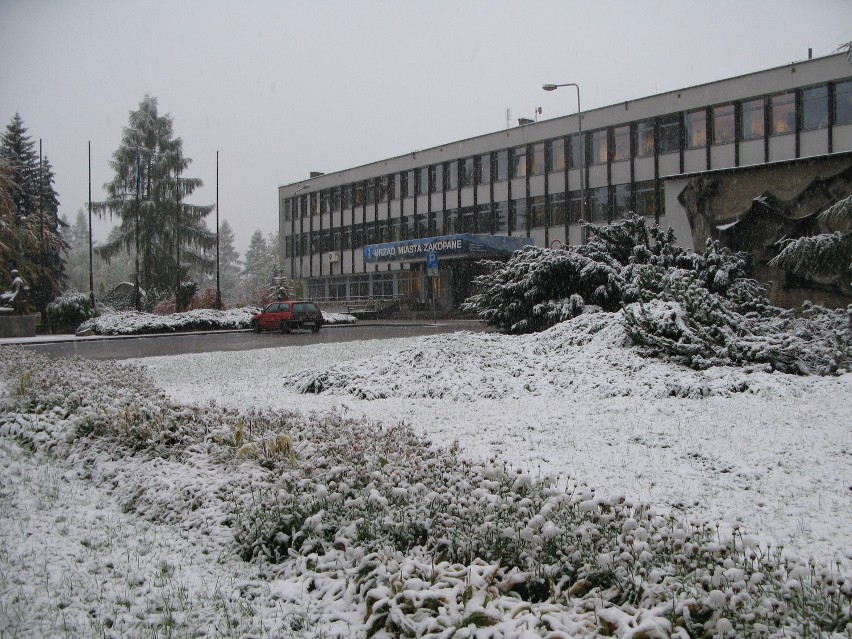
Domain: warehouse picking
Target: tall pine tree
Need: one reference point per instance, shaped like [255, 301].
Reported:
[31, 241]
[149, 194]
[229, 264]
[259, 268]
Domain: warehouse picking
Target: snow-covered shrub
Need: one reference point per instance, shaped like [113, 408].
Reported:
[690, 325]
[132, 323]
[69, 310]
[623, 262]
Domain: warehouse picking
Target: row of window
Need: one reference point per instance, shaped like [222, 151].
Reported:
[371, 285]
[778, 114]
[522, 215]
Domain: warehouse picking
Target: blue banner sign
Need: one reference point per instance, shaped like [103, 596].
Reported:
[456, 246]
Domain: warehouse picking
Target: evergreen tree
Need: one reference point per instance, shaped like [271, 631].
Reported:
[827, 256]
[149, 191]
[259, 268]
[33, 241]
[76, 236]
[230, 267]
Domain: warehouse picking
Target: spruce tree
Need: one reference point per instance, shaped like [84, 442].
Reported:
[229, 263]
[258, 268]
[33, 243]
[149, 195]
[826, 256]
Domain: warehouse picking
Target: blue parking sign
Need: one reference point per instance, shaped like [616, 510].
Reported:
[431, 260]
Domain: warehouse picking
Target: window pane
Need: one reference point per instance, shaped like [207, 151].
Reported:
[577, 143]
[598, 201]
[452, 218]
[558, 209]
[485, 219]
[696, 128]
[723, 124]
[783, 109]
[519, 161]
[537, 210]
[599, 150]
[436, 178]
[556, 155]
[646, 203]
[502, 159]
[423, 181]
[620, 201]
[815, 108]
[753, 119]
[501, 217]
[669, 141]
[645, 139]
[621, 143]
[537, 167]
[575, 208]
[452, 176]
[843, 103]
[408, 183]
[484, 168]
[519, 215]
[467, 172]
[467, 224]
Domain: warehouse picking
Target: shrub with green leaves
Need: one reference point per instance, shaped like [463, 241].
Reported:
[69, 311]
[623, 262]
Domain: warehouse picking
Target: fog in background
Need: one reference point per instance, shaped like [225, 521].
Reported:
[284, 88]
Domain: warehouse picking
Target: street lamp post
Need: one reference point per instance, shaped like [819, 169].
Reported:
[304, 187]
[553, 87]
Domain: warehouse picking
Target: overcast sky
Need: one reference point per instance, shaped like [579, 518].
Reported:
[284, 88]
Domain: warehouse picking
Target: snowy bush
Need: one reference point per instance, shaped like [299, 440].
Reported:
[69, 310]
[133, 323]
[700, 310]
[539, 287]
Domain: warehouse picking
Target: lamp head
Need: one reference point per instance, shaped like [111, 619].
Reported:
[549, 87]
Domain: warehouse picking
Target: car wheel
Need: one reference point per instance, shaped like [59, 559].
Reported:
[315, 328]
[285, 327]
[255, 326]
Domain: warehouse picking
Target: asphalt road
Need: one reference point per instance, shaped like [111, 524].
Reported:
[176, 344]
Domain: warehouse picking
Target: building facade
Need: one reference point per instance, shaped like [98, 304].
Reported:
[368, 232]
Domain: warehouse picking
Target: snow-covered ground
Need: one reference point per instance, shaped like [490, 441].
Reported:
[769, 451]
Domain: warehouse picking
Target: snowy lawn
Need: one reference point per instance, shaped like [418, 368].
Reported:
[136, 526]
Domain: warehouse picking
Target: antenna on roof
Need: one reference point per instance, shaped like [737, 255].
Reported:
[508, 118]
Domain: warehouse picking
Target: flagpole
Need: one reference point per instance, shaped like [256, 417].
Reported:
[218, 289]
[91, 267]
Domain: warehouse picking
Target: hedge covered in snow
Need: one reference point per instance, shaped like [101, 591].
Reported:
[133, 323]
[419, 541]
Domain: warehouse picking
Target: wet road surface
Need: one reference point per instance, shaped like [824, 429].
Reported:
[175, 344]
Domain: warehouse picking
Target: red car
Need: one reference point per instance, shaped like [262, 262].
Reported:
[287, 315]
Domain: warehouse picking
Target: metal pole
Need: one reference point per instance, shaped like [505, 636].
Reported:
[138, 185]
[91, 264]
[218, 289]
[178, 301]
[553, 87]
